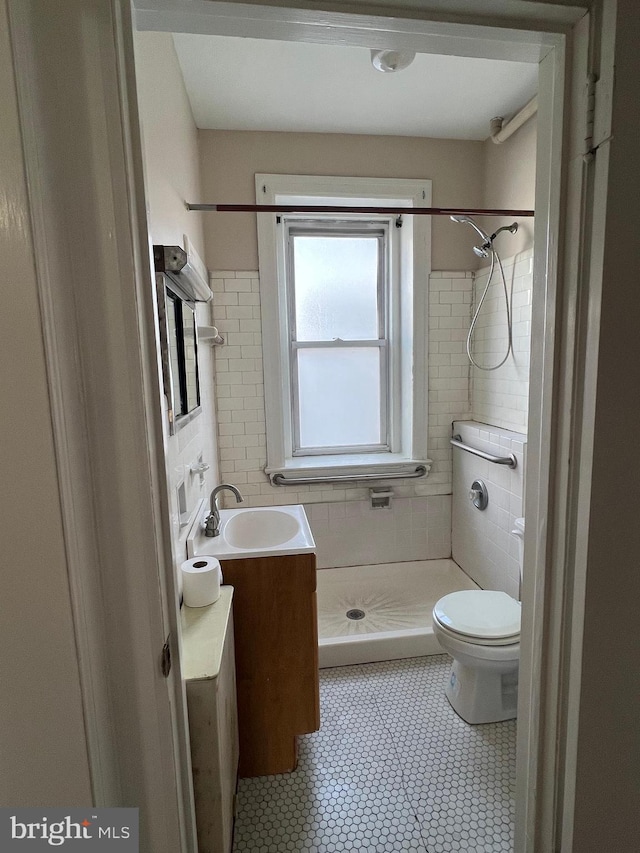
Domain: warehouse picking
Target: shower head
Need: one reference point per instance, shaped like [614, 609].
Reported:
[474, 225]
[470, 222]
[481, 251]
[487, 245]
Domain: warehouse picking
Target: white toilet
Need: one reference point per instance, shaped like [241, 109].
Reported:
[480, 629]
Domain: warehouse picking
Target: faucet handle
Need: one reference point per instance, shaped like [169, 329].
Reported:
[210, 525]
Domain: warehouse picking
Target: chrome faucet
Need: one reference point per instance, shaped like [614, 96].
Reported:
[212, 521]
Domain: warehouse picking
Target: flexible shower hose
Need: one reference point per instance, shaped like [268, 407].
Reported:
[494, 256]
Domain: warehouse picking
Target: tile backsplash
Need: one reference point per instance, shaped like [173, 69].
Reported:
[482, 542]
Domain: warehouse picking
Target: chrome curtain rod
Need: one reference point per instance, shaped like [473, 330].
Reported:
[322, 208]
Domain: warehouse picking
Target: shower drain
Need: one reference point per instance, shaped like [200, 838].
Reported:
[355, 614]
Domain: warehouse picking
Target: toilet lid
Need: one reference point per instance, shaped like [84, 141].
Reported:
[479, 613]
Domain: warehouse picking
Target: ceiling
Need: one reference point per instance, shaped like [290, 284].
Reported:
[259, 84]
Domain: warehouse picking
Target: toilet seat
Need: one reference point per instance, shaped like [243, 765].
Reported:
[466, 640]
[479, 617]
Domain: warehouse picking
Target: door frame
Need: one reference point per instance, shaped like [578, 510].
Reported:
[109, 426]
[93, 259]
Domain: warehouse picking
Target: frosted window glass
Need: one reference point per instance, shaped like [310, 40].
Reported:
[336, 288]
[339, 396]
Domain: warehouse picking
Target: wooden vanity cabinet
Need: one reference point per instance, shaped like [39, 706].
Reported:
[276, 646]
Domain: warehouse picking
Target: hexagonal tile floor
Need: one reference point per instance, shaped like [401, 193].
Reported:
[392, 768]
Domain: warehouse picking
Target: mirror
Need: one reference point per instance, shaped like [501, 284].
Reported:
[179, 354]
[190, 350]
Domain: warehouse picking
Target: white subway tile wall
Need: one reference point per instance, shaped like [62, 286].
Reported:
[501, 396]
[450, 295]
[347, 530]
[353, 534]
[482, 542]
[240, 390]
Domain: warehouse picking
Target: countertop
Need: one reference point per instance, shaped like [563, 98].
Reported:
[203, 633]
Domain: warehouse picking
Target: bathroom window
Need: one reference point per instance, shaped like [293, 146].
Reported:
[344, 325]
[339, 291]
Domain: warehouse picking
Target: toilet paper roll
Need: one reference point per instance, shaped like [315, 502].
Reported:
[201, 579]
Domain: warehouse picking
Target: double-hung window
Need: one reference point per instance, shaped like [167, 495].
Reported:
[339, 295]
[343, 303]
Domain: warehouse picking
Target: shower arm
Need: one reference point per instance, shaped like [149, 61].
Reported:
[512, 228]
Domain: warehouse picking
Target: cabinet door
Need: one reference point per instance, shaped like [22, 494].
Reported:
[276, 658]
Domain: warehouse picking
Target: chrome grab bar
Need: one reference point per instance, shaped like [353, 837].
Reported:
[510, 460]
[281, 480]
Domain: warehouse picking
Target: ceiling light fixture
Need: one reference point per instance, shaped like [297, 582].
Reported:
[388, 61]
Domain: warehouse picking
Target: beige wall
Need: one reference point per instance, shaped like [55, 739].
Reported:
[509, 172]
[169, 133]
[230, 159]
[43, 752]
[172, 175]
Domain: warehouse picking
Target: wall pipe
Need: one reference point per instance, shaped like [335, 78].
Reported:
[500, 131]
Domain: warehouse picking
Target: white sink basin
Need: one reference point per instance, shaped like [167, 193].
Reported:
[264, 529]
[252, 532]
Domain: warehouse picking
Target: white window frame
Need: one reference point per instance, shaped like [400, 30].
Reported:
[382, 231]
[410, 250]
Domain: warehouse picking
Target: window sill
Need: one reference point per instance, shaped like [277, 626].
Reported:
[350, 467]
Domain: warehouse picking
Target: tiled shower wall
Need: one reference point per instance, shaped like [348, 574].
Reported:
[240, 390]
[421, 507]
[483, 544]
[500, 397]
[418, 524]
[351, 533]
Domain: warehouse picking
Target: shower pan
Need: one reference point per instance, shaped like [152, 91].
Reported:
[382, 612]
